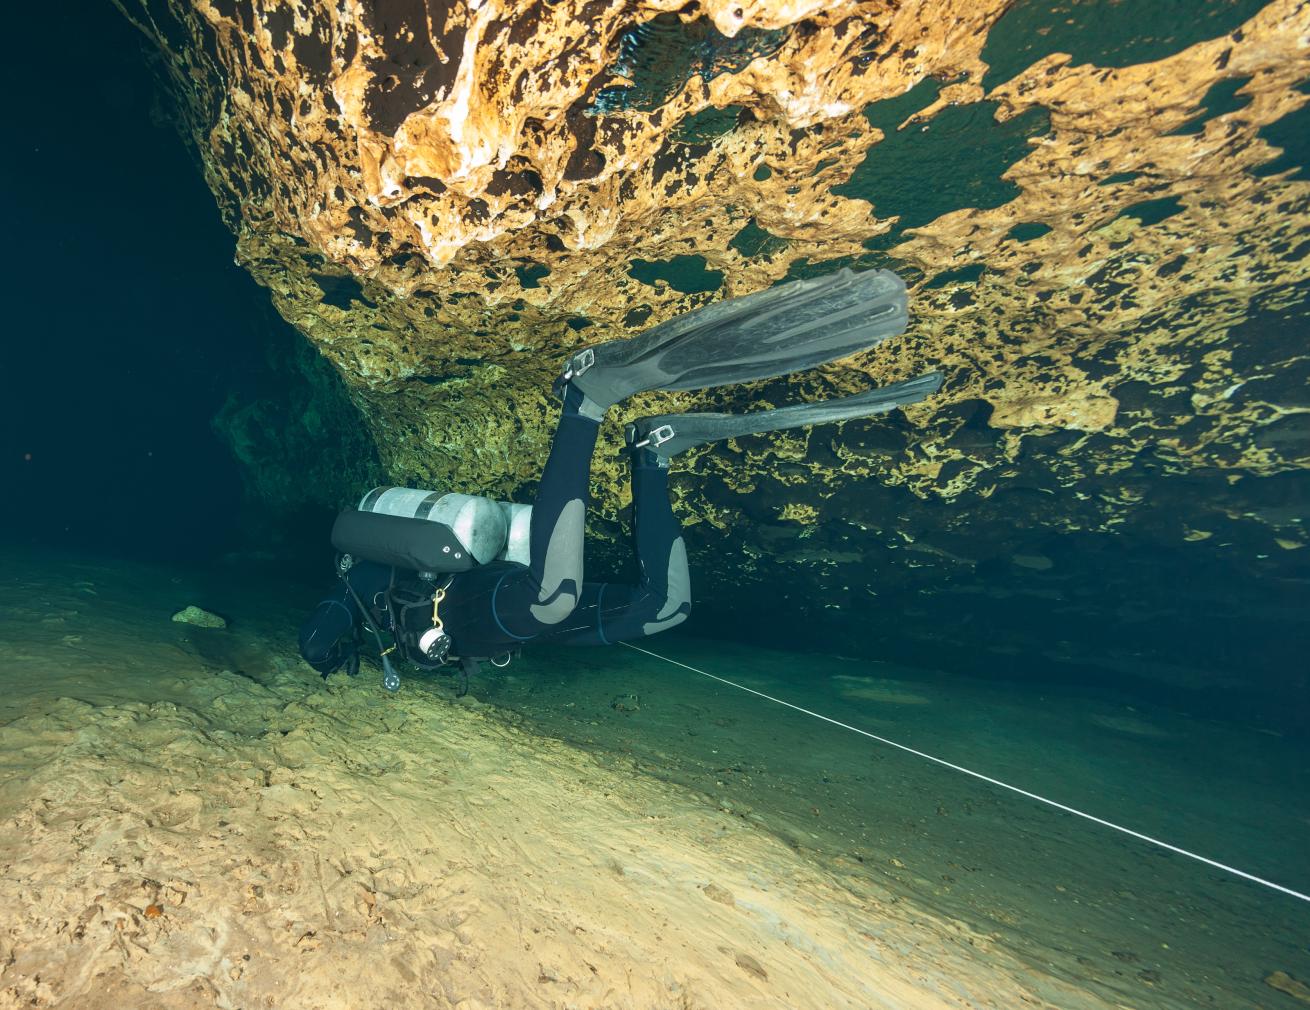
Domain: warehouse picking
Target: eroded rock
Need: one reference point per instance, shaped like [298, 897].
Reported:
[1105, 231]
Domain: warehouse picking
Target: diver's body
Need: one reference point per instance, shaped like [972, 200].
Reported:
[493, 609]
[498, 607]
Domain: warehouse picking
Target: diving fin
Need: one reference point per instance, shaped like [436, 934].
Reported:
[783, 329]
[669, 434]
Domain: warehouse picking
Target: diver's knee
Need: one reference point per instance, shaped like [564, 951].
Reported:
[555, 610]
[322, 630]
[678, 582]
[670, 617]
[314, 646]
[677, 601]
[323, 653]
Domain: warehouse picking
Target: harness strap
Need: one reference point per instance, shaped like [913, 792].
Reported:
[467, 666]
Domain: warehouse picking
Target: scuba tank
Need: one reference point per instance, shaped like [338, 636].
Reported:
[518, 521]
[428, 531]
[435, 536]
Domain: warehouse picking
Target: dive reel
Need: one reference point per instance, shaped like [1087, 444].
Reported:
[435, 643]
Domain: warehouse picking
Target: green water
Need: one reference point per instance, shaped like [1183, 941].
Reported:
[1085, 908]
[1092, 679]
[1107, 33]
[1116, 916]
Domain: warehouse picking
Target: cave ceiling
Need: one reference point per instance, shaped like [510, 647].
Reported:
[1101, 207]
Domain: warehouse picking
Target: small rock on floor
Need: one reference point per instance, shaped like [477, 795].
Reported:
[200, 618]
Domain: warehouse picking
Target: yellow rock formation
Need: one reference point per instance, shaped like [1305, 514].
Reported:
[445, 198]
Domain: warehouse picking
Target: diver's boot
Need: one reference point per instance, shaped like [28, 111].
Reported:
[669, 434]
[579, 404]
[643, 457]
[787, 328]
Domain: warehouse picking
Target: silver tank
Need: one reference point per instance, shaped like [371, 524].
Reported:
[489, 530]
[518, 519]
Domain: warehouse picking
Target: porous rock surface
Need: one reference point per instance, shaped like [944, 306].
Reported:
[1102, 210]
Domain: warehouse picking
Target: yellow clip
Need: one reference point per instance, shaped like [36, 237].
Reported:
[437, 597]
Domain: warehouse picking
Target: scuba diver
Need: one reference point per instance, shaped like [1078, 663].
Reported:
[450, 580]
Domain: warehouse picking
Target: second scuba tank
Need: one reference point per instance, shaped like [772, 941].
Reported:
[479, 524]
[433, 530]
[518, 523]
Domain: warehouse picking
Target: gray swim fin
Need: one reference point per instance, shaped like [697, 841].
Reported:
[669, 434]
[783, 329]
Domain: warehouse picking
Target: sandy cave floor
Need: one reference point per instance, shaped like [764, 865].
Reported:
[191, 818]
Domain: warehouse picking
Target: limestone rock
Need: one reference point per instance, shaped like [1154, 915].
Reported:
[1102, 214]
[1285, 983]
[200, 618]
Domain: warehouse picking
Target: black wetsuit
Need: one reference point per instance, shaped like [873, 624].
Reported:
[498, 607]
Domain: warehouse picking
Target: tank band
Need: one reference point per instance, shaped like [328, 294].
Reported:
[426, 506]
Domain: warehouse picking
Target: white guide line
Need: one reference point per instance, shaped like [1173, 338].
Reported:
[987, 778]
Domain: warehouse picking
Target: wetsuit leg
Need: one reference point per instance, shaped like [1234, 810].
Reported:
[559, 521]
[502, 606]
[610, 613]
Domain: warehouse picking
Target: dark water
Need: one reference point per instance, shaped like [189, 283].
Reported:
[129, 329]
[127, 323]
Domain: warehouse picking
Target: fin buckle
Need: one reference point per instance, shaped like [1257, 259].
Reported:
[580, 363]
[655, 438]
[658, 436]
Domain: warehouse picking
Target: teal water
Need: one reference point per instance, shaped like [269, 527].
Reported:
[1101, 915]
[1123, 919]
[112, 387]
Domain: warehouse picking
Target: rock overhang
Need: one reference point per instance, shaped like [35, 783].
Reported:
[1104, 225]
